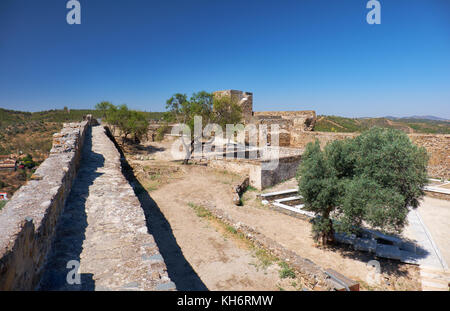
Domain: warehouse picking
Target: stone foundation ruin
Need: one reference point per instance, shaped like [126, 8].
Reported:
[295, 131]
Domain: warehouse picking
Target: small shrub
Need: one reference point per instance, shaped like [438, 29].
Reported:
[286, 271]
[264, 257]
[200, 210]
[231, 229]
[161, 131]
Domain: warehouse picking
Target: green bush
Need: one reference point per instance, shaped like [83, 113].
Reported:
[286, 271]
[161, 131]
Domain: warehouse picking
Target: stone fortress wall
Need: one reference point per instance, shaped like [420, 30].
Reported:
[437, 146]
[28, 221]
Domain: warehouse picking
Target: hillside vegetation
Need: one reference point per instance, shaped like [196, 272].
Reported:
[349, 125]
[31, 132]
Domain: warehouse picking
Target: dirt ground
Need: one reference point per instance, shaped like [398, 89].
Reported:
[219, 259]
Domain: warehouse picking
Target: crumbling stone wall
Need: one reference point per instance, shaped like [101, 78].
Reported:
[437, 146]
[302, 120]
[286, 169]
[257, 170]
[301, 139]
[28, 221]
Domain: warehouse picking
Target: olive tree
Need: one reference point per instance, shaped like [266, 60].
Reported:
[103, 107]
[371, 179]
[129, 122]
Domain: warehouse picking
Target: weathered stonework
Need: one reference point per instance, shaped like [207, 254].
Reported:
[79, 206]
[105, 225]
[259, 170]
[244, 99]
[437, 146]
[27, 222]
[302, 120]
[296, 130]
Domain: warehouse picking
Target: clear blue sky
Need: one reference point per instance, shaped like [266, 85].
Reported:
[293, 55]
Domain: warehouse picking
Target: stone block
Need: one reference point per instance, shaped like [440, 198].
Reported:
[166, 286]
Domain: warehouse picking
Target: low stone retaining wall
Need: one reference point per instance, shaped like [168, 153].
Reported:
[260, 178]
[28, 221]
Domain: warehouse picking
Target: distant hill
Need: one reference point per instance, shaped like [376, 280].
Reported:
[417, 118]
[415, 124]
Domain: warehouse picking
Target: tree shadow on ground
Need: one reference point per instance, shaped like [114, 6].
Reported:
[71, 227]
[179, 269]
[129, 145]
[388, 266]
[148, 149]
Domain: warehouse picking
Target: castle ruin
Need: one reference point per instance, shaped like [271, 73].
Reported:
[291, 123]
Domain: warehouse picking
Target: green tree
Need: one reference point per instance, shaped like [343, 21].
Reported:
[183, 111]
[372, 178]
[226, 111]
[138, 125]
[129, 122]
[112, 117]
[103, 107]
